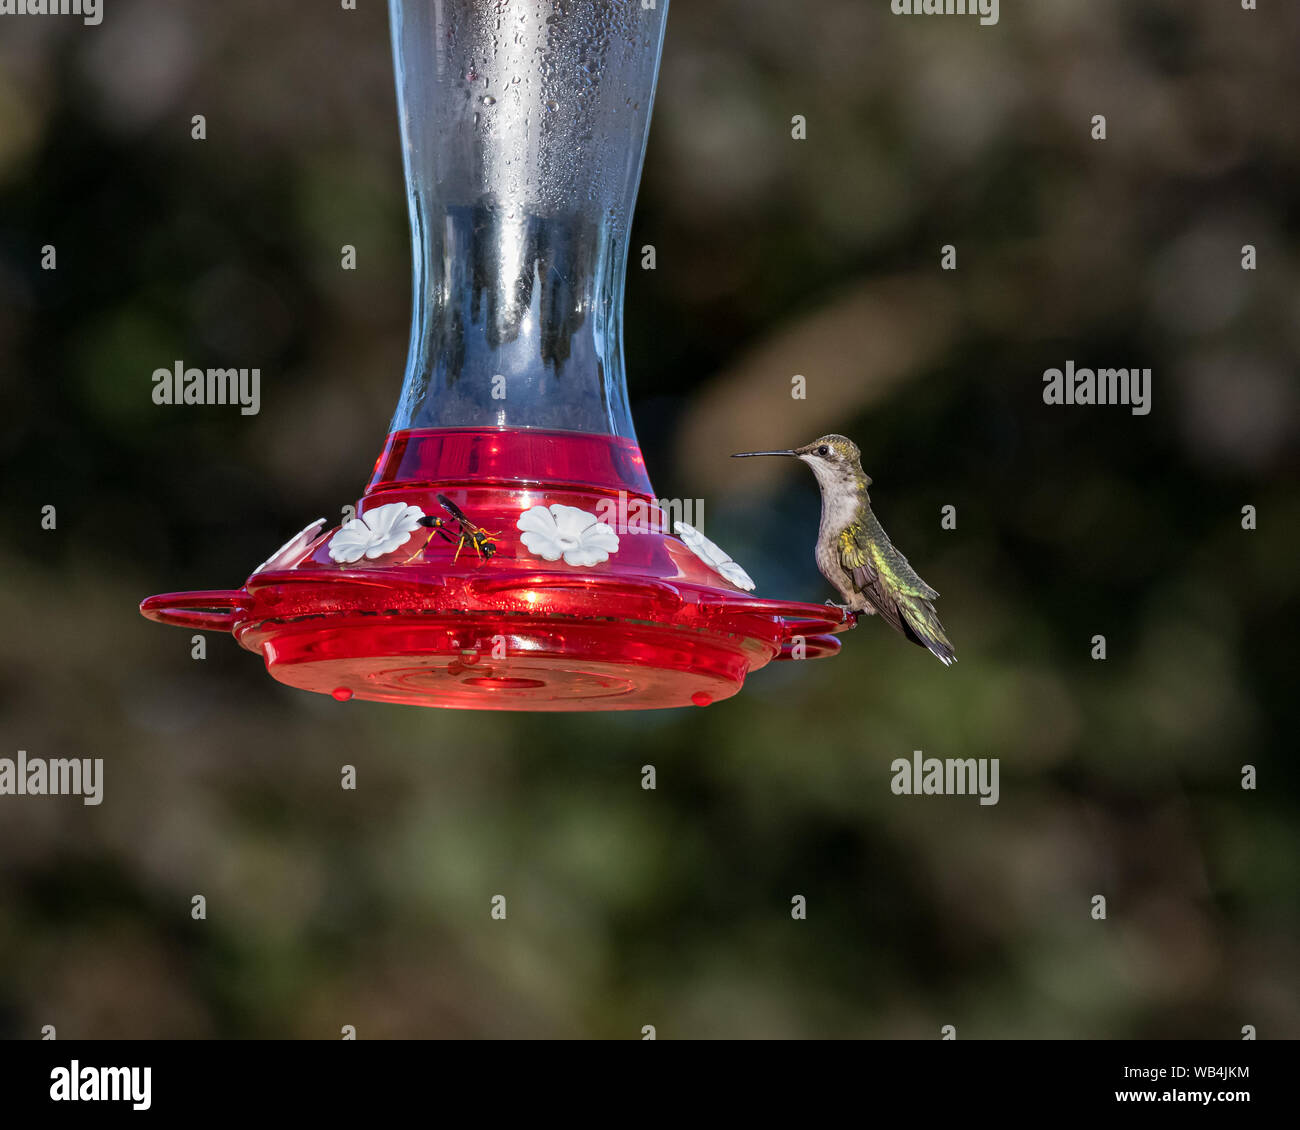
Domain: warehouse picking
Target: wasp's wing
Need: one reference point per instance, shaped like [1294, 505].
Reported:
[454, 510]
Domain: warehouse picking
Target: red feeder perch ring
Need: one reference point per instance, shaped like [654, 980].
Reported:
[508, 553]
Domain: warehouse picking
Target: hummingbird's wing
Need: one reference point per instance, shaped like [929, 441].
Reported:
[858, 562]
[891, 586]
[895, 568]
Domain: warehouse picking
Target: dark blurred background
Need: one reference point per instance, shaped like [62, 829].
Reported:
[819, 257]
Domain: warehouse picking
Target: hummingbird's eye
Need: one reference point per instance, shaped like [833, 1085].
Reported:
[823, 450]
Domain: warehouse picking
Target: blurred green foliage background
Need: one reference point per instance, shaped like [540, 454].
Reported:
[775, 257]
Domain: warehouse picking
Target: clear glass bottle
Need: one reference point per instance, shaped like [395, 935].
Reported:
[524, 125]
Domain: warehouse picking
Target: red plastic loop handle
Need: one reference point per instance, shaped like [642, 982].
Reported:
[212, 610]
[809, 627]
[815, 647]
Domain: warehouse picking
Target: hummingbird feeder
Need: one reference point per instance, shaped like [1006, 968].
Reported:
[491, 564]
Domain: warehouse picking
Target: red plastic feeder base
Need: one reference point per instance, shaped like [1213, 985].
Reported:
[652, 625]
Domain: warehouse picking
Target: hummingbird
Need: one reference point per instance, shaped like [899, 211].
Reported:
[855, 554]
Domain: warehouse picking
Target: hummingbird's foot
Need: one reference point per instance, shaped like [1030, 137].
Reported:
[851, 614]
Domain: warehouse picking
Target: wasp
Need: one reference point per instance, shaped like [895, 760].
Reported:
[465, 532]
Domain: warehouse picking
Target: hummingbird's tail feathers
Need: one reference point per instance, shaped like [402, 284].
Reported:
[921, 625]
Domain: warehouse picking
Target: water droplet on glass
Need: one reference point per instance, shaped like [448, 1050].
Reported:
[488, 100]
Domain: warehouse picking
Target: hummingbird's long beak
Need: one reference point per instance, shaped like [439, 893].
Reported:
[747, 454]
